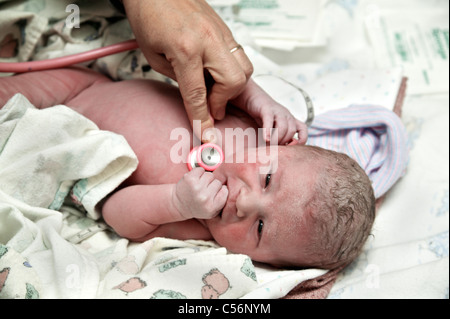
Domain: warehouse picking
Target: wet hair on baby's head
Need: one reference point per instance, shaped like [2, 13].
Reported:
[342, 212]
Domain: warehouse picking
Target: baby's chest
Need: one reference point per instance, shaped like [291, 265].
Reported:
[159, 164]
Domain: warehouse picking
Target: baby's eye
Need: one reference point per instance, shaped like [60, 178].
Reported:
[260, 227]
[268, 177]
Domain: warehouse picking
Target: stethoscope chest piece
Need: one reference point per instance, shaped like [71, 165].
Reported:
[209, 156]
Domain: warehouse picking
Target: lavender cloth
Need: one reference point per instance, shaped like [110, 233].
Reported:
[372, 135]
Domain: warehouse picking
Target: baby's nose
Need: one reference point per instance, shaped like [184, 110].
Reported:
[243, 203]
[240, 213]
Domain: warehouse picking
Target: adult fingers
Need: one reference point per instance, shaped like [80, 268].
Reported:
[230, 72]
[243, 60]
[159, 63]
[190, 77]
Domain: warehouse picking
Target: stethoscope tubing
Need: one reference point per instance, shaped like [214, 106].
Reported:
[65, 61]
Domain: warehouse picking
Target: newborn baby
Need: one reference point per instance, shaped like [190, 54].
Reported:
[288, 205]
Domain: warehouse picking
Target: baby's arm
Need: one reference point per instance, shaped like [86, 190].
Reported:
[270, 114]
[48, 88]
[136, 211]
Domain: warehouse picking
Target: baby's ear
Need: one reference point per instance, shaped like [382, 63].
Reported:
[294, 141]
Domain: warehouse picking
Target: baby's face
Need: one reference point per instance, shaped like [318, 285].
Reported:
[265, 215]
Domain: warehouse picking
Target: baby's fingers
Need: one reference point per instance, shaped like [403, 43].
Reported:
[268, 126]
[285, 131]
[288, 128]
[302, 131]
[221, 198]
[218, 194]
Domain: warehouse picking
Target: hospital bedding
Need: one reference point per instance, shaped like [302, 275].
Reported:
[70, 255]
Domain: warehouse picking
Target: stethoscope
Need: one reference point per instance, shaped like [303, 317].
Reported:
[208, 156]
[65, 61]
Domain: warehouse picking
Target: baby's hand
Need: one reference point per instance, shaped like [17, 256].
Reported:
[279, 124]
[270, 115]
[199, 195]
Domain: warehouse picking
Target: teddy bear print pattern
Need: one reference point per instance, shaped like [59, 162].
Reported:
[18, 281]
[173, 274]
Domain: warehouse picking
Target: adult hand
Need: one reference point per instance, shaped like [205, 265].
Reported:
[187, 41]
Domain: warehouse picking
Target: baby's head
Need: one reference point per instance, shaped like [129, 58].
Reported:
[342, 212]
[314, 208]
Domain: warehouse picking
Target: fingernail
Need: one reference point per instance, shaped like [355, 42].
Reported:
[211, 135]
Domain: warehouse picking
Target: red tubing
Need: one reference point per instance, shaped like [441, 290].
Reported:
[21, 67]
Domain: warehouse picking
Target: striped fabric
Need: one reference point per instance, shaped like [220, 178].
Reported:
[372, 135]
